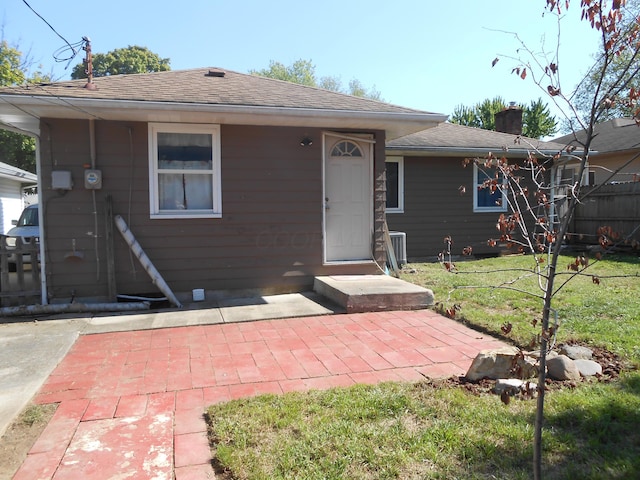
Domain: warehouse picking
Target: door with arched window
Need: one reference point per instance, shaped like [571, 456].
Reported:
[348, 199]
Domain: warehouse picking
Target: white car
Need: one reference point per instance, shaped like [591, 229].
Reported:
[27, 229]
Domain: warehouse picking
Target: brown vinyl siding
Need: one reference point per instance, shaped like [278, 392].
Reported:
[435, 209]
[269, 237]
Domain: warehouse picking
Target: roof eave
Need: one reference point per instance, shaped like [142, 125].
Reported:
[417, 151]
[22, 112]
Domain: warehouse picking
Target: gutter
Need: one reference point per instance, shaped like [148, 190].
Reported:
[461, 151]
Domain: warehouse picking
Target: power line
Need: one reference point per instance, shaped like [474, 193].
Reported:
[72, 47]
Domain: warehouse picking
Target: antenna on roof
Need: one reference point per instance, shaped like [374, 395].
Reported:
[89, 63]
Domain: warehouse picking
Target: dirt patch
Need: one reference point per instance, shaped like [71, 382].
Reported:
[612, 366]
[21, 435]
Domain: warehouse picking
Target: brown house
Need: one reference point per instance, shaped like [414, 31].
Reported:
[226, 181]
[431, 195]
[614, 172]
[615, 151]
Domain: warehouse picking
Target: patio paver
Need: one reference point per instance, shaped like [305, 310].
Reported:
[134, 401]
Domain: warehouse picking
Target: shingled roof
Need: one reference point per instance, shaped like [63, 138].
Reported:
[449, 139]
[208, 91]
[617, 135]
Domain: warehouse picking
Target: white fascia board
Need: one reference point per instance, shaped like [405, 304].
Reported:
[20, 180]
[395, 124]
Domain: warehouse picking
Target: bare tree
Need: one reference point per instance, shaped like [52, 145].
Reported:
[541, 202]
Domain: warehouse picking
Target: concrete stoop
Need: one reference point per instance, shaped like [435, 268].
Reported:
[372, 293]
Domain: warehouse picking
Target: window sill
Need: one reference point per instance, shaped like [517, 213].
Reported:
[173, 216]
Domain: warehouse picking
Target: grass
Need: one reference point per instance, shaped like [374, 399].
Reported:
[603, 314]
[431, 430]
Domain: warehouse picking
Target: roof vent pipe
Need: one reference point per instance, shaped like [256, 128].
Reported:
[89, 62]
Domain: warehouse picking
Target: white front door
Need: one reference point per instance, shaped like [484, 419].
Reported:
[348, 198]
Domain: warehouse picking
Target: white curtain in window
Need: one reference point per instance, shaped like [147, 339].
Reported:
[180, 191]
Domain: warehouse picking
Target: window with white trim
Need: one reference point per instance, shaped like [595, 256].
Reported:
[489, 190]
[395, 184]
[184, 165]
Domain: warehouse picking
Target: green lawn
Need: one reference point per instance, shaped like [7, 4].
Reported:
[432, 430]
[605, 314]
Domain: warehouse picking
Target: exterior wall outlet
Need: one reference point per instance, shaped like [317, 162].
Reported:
[61, 180]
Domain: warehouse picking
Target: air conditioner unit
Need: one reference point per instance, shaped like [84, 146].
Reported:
[399, 244]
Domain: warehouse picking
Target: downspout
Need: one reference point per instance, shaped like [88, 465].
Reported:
[135, 247]
[92, 153]
[44, 298]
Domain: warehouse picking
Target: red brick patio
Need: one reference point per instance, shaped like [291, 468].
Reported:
[132, 403]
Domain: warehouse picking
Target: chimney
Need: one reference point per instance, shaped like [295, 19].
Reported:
[509, 120]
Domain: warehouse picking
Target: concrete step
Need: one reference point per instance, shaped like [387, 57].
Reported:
[372, 293]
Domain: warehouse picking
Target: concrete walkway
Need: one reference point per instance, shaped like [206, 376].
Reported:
[131, 403]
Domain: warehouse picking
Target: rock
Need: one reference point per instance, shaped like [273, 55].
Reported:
[576, 352]
[513, 386]
[493, 364]
[527, 367]
[536, 354]
[562, 368]
[588, 368]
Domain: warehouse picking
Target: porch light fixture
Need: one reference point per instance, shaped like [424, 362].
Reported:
[306, 141]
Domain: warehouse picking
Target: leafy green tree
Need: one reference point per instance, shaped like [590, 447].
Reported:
[11, 68]
[303, 72]
[330, 83]
[358, 90]
[17, 149]
[607, 93]
[537, 121]
[482, 115]
[122, 61]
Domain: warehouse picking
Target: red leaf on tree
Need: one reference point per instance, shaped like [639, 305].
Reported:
[523, 74]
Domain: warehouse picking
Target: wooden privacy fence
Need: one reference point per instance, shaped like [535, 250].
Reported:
[19, 273]
[615, 205]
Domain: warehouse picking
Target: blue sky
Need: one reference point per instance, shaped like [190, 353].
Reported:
[422, 54]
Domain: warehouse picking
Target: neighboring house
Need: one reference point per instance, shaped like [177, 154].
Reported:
[431, 195]
[615, 143]
[227, 181]
[614, 171]
[13, 181]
